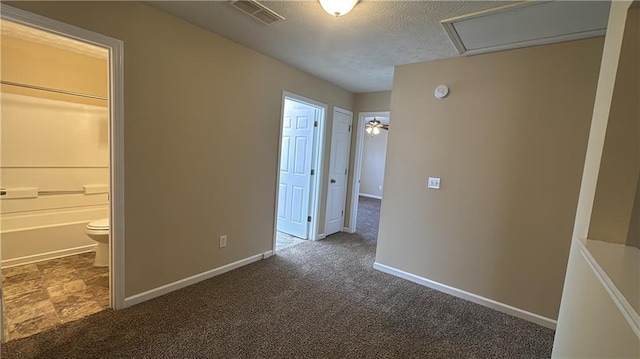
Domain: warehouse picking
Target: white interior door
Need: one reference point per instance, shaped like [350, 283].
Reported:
[295, 170]
[338, 168]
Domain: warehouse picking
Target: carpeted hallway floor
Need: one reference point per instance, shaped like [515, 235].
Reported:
[312, 300]
[368, 218]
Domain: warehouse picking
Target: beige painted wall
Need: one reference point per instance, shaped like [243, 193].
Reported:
[372, 102]
[202, 119]
[32, 63]
[592, 326]
[633, 22]
[618, 177]
[633, 236]
[363, 102]
[509, 150]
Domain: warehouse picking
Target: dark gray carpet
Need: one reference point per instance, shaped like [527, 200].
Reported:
[368, 217]
[313, 300]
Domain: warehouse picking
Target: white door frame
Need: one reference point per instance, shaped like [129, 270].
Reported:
[318, 155]
[116, 133]
[357, 166]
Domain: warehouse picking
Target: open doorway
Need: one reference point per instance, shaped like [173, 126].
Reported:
[368, 177]
[62, 173]
[299, 170]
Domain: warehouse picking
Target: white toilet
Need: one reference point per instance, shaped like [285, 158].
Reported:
[99, 231]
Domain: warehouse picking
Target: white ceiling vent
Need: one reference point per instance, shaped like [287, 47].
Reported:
[258, 11]
[527, 23]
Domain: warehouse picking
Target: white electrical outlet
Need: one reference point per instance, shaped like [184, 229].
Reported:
[223, 241]
[433, 183]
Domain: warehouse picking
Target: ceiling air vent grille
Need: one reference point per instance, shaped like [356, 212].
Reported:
[257, 11]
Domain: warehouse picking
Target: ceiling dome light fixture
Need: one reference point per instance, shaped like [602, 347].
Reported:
[338, 7]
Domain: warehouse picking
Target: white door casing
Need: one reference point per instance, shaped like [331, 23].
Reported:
[338, 169]
[295, 101]
[295, 171]
[357, 165]
[116, 134]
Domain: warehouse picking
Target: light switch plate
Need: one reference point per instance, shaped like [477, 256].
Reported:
[434, 183]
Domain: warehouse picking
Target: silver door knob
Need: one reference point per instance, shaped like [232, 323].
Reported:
[333, 181]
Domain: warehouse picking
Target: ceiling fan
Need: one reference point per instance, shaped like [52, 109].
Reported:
[373, 127]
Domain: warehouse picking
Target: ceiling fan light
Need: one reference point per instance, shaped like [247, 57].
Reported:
[338, 7]
[376, 130]
[369, 129]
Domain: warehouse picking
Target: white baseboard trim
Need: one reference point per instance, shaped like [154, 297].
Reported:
[48, 255]
[490, 303]
[267, 254]
[167, 288]
[348, 230]
[320, 236]
[370, 195]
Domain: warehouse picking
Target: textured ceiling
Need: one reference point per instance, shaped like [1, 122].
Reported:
[356, 51]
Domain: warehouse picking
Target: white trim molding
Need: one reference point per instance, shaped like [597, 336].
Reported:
[116, 130]
[167, 288]
[356, 173]
[374, 196]
[489, 303]
[116, 161]
[7, 263]
[318, 158]
[617, 297]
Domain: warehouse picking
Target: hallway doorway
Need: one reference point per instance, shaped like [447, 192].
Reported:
[369, 166]
[53, 194]
[299, 168]
[368, 217]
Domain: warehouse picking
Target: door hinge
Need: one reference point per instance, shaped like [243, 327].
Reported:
[349, 128]
[343, 213]
[345, 171]
[309, 219]
[313, 172]
[315, 123]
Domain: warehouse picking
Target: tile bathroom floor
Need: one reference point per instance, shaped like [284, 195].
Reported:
[40, 295]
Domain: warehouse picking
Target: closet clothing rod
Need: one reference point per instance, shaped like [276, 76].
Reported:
[40, 88]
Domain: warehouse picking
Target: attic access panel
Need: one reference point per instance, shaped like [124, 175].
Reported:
[527, 23]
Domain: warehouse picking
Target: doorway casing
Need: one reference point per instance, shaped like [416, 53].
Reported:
[357, 166]
[317, 164]
[116, 133]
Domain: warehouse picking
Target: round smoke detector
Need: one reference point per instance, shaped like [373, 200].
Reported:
[442, 91]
